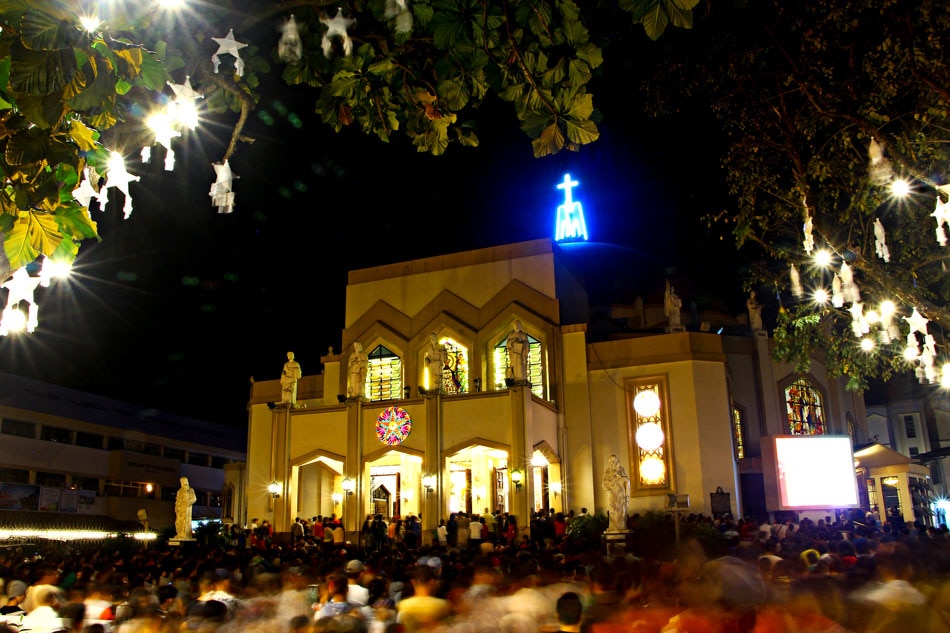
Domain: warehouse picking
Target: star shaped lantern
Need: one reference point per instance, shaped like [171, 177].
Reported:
[221, 194]
[336, 27]
[119, 178]
[182, 109]
[230, 46]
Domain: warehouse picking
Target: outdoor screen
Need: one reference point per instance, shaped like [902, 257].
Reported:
[809, 472]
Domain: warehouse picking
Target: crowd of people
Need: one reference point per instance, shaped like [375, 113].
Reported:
[834, 576]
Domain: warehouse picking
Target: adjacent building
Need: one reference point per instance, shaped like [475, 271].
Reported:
[70, 459]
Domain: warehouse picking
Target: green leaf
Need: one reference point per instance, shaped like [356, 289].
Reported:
[41, 31]
[453, 93]
[581, 132]
[41, 72]
[44, 112]
[550, 142]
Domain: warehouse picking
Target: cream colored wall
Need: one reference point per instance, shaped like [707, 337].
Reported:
[259, 429]
[575, 439]
[476, 284]
[326, 429]
[485, 416]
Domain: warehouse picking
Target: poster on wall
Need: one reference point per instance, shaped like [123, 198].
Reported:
[19, 496]
[68, 500]
[49, 499]
[86, 502]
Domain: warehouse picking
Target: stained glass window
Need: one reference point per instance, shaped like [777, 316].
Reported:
[455, 373]
[535, 365]
[803, 406]
[383, 375]
[738, 431]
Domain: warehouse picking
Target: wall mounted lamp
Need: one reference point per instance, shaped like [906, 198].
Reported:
[428, 482]
[555, 487]
[517, 478]
[348, 486]
[274, 489]
[337, 498]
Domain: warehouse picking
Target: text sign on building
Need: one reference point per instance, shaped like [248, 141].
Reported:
[569, 223]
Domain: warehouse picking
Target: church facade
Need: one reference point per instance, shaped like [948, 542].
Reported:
[684, 409]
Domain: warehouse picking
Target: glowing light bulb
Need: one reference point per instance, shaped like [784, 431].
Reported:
[900, 188]
[650, 436]
[647, 403]
[872, 316]
[823, 258]
[821, 296]
[945, 376]
[89, 23]
[867, 344]
[888, 308]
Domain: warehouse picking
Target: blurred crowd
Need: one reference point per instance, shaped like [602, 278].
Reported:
[829, 576]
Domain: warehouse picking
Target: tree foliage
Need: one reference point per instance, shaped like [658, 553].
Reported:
[801, 91]
[419, 68]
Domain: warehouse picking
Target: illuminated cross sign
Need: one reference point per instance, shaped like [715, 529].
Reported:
[570, 215]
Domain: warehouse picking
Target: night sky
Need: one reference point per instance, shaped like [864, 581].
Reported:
[178, 305]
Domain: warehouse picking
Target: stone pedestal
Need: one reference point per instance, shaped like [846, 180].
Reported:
[616, 542]
[179, 542]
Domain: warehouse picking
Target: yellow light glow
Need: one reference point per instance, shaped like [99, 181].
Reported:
[867, 344]
[539, 460]
[652, 470]
[871, 316]
[555, 487]
[911, 353]
[888, 308]
[945, 376]
[69, 535]
[821, 296]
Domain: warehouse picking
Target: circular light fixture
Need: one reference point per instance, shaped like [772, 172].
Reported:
[652, 470]
[650, 436]
[646, 403]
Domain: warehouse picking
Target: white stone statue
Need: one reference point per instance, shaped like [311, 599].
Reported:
[672, 306]
[517, 345]
[183, 501]
[617, 485]
[288, 380]
[437, 357]
[755, 311]
[356, 371]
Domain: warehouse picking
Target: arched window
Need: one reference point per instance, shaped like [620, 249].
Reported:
[804, 408]
[535, 365]
[383, 375]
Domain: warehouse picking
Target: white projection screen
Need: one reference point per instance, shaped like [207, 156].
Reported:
[809, 472]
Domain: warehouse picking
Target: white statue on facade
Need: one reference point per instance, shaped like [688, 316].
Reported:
[517, 345]
[755, 311]
[288, 380]
[356, 371]
[617, 485]
[183, 501]
[437, 358]
[672, 307]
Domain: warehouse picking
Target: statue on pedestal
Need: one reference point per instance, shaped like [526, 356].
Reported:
[183, 501]
[437, 357]
[517, 345]
[617, 485]
[672, 308]
[755, 311]
[356, 371]
[288, 380]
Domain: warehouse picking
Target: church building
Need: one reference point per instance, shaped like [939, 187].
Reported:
[474, 380]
